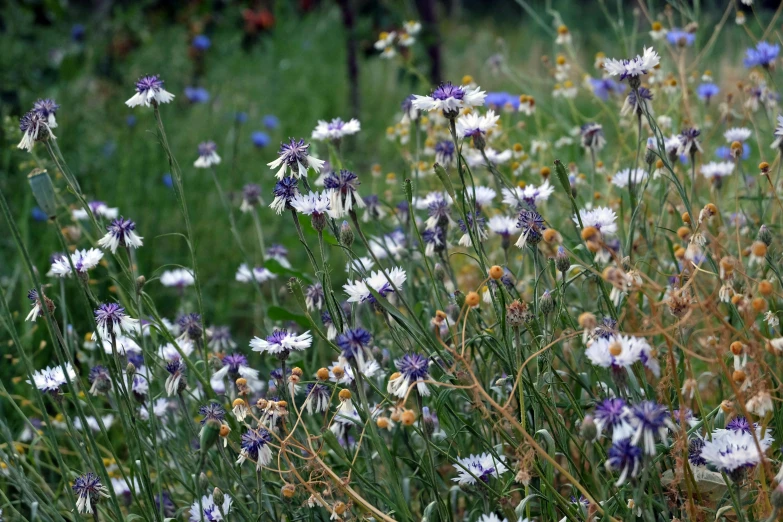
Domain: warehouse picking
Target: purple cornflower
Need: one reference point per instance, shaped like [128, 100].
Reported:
[434, 240]
[212, 411]
[706, 91]
[207, 155]
[625, 458]
[677, 36]
[342, 187]
[293, 156]
[739, 423]
[47, 108]
[112, 322]
[612, 415]
[34, 128]
[633, 103]
[89, 490]
[285, 191]
[689, 143]
[444, 152]
[314, 297]
[413, 368]
[175, 382]
[763, 55]
[318, 396]
[606, 328]
[251, 197]
[695, 446]
[476, 223]
[100, 379]
[255, 446]
[355, 344]
[149, 92]
[603, 87]
[282, 342]
[532, 225]
[648, 420]
[120, 233]
[190, 326]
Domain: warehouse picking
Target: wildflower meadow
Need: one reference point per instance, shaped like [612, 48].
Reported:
[393, 261]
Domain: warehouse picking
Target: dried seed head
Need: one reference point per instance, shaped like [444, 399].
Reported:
[472, 299]
[408, 417]
[496, 272]
[344, 394]
[322, 374]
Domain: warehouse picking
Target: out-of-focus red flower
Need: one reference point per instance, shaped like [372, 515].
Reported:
[258, 20]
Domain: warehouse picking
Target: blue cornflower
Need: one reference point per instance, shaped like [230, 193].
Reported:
[130, 120]
[255, 446]
[648, 420]
[604, 87]
[501, 100]
[240, 117]
[260, 139]
[120, 233]
[724, 153]
[434, 240]
[197, 94]
[77, 32]
[271, 122]
[475, 222]
[532, 225]
[763, 55]
[707, 90]
[201, 42]
[354, 342]
[612, 415]
[739, 423]
[168, 181]
[38, 214]
[625, 458]
[677, 36]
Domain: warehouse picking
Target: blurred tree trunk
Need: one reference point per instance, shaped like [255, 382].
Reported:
[349, 22]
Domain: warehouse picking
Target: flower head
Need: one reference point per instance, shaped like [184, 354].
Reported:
[481, 467]
[677, 36]
[112, 322]
[625, 458]
[413, 368]
[342, 187]
[293, 156]
[207, 155]
[532, 225]
[51, 379]
[763, 55]
[634, 67]
[47, 108]
[149, 92]
[34, 128]
[83, 260]
[121, 233]
[255, 447]
[282, 342]
[649, 420]
[601, 218]
[205, 510]
[611, 415]
[179, 278]
[382, 282]
[450, 99]
[336, 129]
[629, 176]
[285, 191]
[88, 490]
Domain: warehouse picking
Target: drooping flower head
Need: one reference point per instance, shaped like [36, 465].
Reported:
[285, 191]
[149, 92]
[190, 326]
[255, 447]
[625, 458]
[354, 343]
[637, 101]
[34, 128]
[282, 342]
[444, 152]
[89, 491]
[593, 136]
[251, 197]
[342, 187]
[47, 108]
[649, 421]
[121, 233]
[532, 225]
[611, 415]
[207, 155]
[293, 157]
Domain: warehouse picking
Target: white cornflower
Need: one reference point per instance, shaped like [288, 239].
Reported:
[361, 264]
[634, 67]
[717, 169]
[98, 208]
[730, 450]
[480, 467]
[601, 218]
[207, 155]
[635, 176]
[83, 260]
[258, 274]
[281, 341]
[450, 98]
[169, 352]
[122, 343]
[159, 409]
[737, 134]
[475, 124]
[314, 203]
[502, 225]
[121, 232]
[149, 92]
[336, 129]
[206, 509]
[50, 379]
[293, 156]
[180, 278]
[484, 195]
[621, 351]
[359, 290]
[476, 159]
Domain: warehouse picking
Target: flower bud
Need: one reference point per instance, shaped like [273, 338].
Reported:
[209, 434]
[130, 369]
[562, 260]
[218, 497]
[346, 234]
[764, 235]
[588, 430]
[517, 313]
[546, 303]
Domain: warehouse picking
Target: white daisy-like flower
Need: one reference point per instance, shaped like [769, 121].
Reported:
[92, 423]
[180, 278]
[314, 203]
[479, 467]
[385, 41]
[484, 195]
[122, 343]
[476, 159]
[359, 290]
[475, 124]
[717, 169]
[282, 341]
[50, 379]
[450, 98]
[634, 67]
[412, 27]
[601, 218]
[502, 225]
[621, 351]
[635, 176]
[336, 129]
[149, 92]
[99, 209]
[207, 155]
[361, 265]
[83, 260]
[737, 134]
[206, 509]
[730, 450]
[388, 245]
[169, 352]
[531, 194]
[258, 274]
